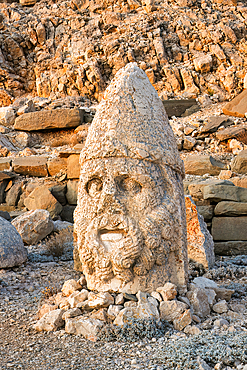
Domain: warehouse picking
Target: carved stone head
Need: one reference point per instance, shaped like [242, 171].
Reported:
[130, 217]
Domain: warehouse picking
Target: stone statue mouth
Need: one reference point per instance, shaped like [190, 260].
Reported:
[111, 238]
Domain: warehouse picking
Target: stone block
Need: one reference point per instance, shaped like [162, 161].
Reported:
[41, 198]
[196, 188]
[73, 167]
[230, 248]
[13, 194]
[48, 119]
[170, 310]
[238, 106]
[200, 243]
[55, 165]
[72, 191]
[33, 226]
[229, 228]
[238, 132]
[5, 163]
[199, 301]
[230, 209]
[70, 286]
[182, 321]
[168, 291]
[198, 164]
[218, 193]
[31, 166]
[207, 212]
[239, 164]
[203, 63]
[50, 321]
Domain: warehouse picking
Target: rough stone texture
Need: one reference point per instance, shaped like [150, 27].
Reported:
[41, 198]
[50, 321]
[168, 291]
[33, 226]
[5, 163]
[87, 327]
[200, 242]
[55, 165]
[170, 310]
[230, 248]
[199, 301]
[183, 320]
[229, 228]
[7, 116]
[220, 307]
[230, 209]
[72, 191]
[131, 234]
[239, 164]
[238, 132]
[77, 297]
[48, 119]
[203, 63]
[32, 166]
[70, 286]
[238, 106]
[198, 164]
[12, 250]
[206, 212]
[73, 167]
[217, 193]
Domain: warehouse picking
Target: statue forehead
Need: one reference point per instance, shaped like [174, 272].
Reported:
[120, 166]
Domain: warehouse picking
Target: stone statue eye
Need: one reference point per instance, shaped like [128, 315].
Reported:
[94, 187]
[129, 185]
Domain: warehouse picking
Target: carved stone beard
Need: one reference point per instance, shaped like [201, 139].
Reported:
[113, 242]
[117, 245]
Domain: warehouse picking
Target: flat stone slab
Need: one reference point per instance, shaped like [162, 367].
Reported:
[219, 193]
[32, 166]
[176, 108]
[237, 132]
[49, 119]
[73, 166]
[230, 209]
[229, 228]
[238, 106]
[214, 123]
[239, 164]
[5, 163]
[197, 164]
[230, 248]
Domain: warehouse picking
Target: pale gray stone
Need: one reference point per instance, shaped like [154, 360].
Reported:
[84, 326]
[199, 301]
[12, 250]
[50, 321]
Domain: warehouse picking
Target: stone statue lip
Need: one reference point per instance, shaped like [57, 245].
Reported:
[111, 238]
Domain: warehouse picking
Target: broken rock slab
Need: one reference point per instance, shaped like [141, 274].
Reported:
[41, 198]
[214, 123]
[230, 209]
[198, 164]
[229, 228]
[238, 132]
[238, 106]
[239, 164]
[218, 193]
[87, 327]
[48, 119]
[230, 248]
[12, 250]
[33, 226]
[200, 242]
[50, 321]
[32, 166]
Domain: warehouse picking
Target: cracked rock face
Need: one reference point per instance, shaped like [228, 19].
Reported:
[130, 217]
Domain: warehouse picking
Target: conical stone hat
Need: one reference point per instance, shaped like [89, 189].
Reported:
[131, 122]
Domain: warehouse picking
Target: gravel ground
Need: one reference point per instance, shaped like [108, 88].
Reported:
[22, 290]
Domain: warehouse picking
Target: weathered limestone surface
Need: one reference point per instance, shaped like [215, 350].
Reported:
[48, 119]
[198, 164]
[230, 209]
[12, 250]
[130, 218]
[42, 198]
[32, 166]
[239, 164]
[238, 106]
[200, 242]
[230, 248]
[219, 193]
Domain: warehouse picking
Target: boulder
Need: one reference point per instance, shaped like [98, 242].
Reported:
[31, 166]
[50, 321]
[77, 297]
[48, 119]
[86, 327]
[238, 132]
[218, 193]
[72, 312]
[198, 164]
[214, 122]
[239, 164]
[13, 194]
[170, 310]
[12, 250]
[41, 198]
[199, 301]
[199, 241]
[230, 209]
[73, 167]
[230, 248]
[182, 321]
[45, 308]
[33, 226]
[220, 307]
[203, 63]
[205, 283]
[229, 228]
[238, 106]
[113, 311]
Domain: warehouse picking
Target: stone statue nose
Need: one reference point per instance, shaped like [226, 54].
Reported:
[109, 199]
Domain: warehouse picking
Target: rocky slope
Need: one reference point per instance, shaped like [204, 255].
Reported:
[188, 48]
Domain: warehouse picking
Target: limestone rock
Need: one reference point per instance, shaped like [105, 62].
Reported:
[77, 297]
[196, 188]
[70, 286]
[48, 119]
[32, 166]
[33, 226]
[182, 321]
[238, 132]
[214, 122]
[198, 164]
[12, 251]
[239, 164]
[86, 327]
[220, 307]
[200, 242]
[5, 163]
[192, 330]
[168, 291]
[73, 312]
[203, 63]
[202, 282]
[122, 221]
[229, 228]
[55, 165]
[238, 106]
[7, 116]
[45, 308]
[99, 300]
[41, 198]
[170, 310]
[113, 311]
[224, 293]
[199, 301]
[50, 321]
[230, 209]
[218, 193]
[72, 191]
[73, 167]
